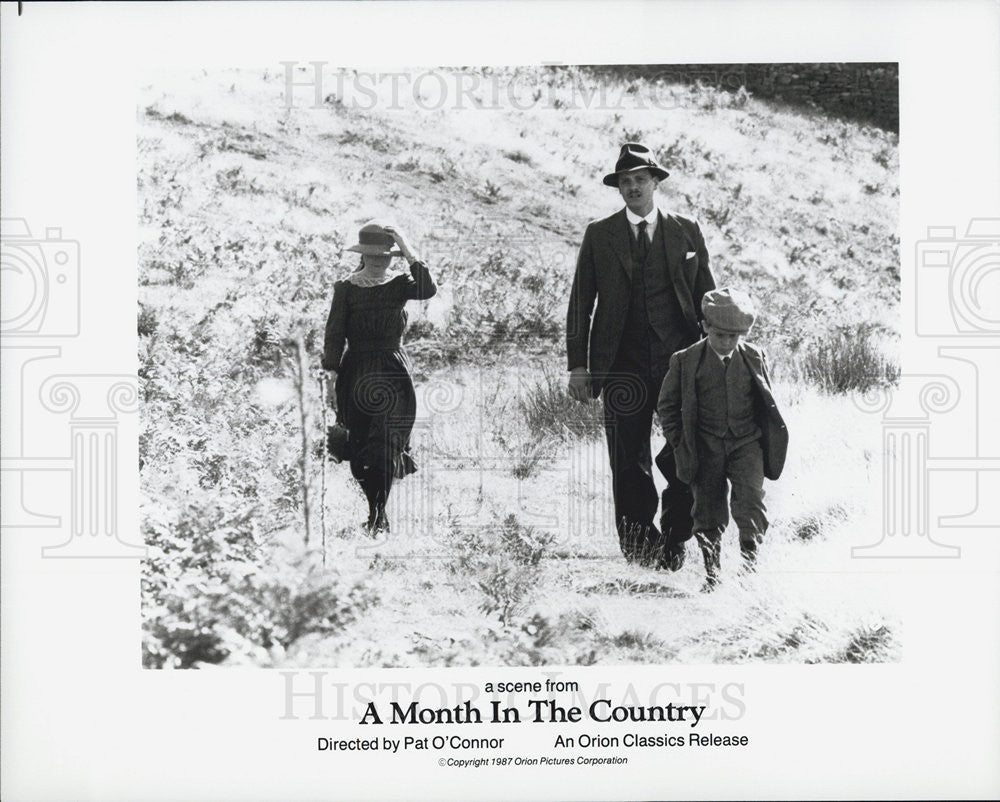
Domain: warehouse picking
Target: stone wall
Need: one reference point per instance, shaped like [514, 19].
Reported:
[862, 91]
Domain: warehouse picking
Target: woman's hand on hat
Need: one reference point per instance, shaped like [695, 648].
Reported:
[401, 241]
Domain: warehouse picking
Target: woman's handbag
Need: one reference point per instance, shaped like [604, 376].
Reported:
[337, 437]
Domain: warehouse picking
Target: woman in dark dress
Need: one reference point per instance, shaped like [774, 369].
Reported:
[370, 383]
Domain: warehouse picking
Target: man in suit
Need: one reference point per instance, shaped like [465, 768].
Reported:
[647, 271]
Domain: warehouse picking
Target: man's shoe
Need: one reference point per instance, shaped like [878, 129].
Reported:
[673, 557]
[652, 547]
[639, 543]
[678, 557]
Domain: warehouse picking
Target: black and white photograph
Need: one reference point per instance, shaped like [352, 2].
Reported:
[477, 400]
[515, 366]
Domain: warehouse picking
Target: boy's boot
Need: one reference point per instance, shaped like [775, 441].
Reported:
[711, 547]
[748, 548]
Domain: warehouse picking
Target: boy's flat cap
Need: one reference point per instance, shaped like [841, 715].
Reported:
[728, 309]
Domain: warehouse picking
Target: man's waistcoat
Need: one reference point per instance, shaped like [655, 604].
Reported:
[652, 301]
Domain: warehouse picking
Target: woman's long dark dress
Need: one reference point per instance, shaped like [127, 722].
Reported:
[375, 396]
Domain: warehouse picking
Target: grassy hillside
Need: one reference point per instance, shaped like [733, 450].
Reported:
[503, 549]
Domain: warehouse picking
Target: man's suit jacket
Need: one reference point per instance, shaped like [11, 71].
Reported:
[678, 409]
[604, 274]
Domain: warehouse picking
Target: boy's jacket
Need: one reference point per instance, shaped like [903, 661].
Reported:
[678, 410]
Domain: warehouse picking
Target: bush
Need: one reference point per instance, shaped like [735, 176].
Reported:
[849, 361]
[200, 622]
[814, 525]
[503, 298]
[207, 598]
[504, 562]
[548, 409]
[875, 643]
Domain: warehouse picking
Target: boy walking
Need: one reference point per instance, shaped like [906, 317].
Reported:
[721, 420]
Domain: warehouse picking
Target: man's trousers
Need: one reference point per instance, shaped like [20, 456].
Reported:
[629, 404]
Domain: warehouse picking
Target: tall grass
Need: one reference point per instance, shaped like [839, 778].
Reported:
[548, 409]
[847, 362]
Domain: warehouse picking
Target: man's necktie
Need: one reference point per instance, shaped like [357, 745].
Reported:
[643, 242]
[725, 361]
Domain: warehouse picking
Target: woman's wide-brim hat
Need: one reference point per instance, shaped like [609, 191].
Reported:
[374, 240]
[633, 157]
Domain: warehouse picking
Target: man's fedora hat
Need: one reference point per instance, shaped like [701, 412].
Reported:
[634, 156]
[373, 239]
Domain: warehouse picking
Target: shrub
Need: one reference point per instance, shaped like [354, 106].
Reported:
[849, 361]
[814, 524]
[875, 643]
[206, 597]
[504, 562]
[518, 156]
[544, 638]
[505, 296]
[528, 458]
[492, 192]
[197, 622]
[548, 409]
[146, 320]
